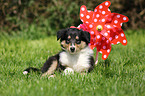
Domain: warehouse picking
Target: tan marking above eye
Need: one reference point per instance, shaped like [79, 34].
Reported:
[69, 37]
[77, 37]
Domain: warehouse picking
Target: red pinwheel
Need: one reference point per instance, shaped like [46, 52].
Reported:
[104, 27]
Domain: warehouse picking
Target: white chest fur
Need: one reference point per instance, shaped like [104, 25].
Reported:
[78, 62]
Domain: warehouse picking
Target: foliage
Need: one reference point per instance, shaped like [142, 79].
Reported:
[52, 15]
[122, 74]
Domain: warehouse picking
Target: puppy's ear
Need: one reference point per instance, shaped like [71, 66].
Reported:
[61, 34]
[85, 36]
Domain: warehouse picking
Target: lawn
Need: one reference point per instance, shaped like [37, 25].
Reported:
[122, 74]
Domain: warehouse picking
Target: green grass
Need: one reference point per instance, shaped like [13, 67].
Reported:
[122, 74]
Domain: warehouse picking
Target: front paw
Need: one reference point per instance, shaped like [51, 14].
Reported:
[68, 71]
[51, 76]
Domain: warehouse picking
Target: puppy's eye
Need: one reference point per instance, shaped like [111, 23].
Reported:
[78, 41]
[67, 41]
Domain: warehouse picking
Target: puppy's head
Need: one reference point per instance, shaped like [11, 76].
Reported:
[73, 40]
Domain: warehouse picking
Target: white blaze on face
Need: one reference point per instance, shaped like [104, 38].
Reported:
[72, 45]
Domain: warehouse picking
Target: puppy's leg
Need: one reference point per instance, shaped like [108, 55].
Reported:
[96, 58]
[51, 69]
[50, 65]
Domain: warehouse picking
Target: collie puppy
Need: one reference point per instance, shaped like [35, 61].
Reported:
[76, 55]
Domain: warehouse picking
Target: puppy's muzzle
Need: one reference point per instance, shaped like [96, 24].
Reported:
[72, 49]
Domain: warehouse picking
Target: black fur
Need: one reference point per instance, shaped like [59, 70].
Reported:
[61, 34]
[85, 36]
[91, 61]
[48, 63]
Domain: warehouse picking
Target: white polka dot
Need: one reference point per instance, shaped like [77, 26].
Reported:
[106, 34]
[82, 15]
[89, 10]
[122, 35]
[124, 18]
[91, 26]
[103, 20]
[115, 21]
[103, 12]
[118, 42]
[121, 24]
[110, 38]
[108, 50]
[109, 9]
[95, 20]
[98, 36]
[100, 51]
[97, 15]
[107, 41]
[108, 31]
[106, 3]
[95, 10]
[82, 20]
[88, 17]
[100, 6]
[116, 37]
[83, 9]
[87, 22]
[108, 26]
[124, 41]
[118, 16]
[112, 43]
[92, 32]
[104, 47]
[105, 56]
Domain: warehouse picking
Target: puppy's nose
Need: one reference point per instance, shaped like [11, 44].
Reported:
[72, 49]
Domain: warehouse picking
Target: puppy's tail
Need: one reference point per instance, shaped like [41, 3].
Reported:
[28, 70]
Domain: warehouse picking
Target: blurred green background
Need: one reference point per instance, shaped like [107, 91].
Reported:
[36, 18]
